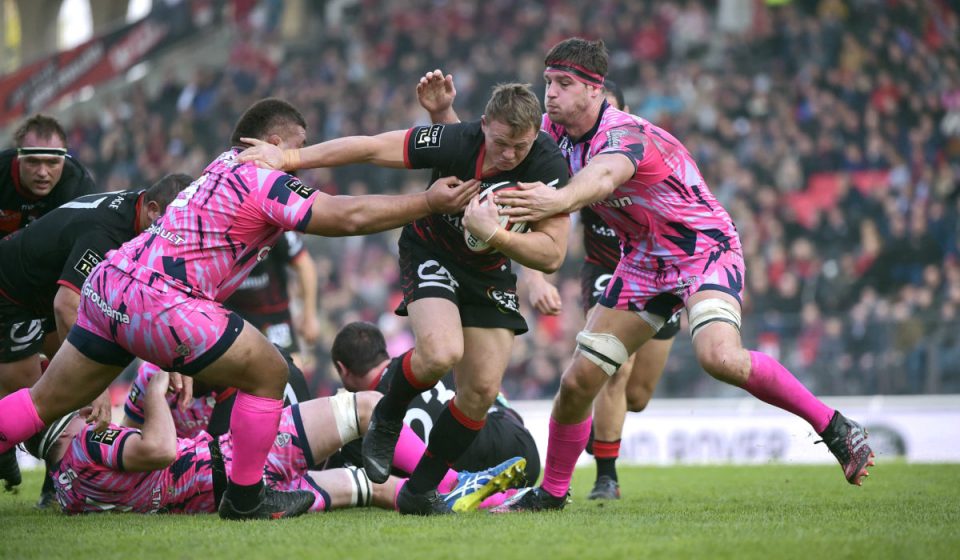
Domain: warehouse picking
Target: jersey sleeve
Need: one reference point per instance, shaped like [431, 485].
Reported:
[284, 200]
[106, 447]
[434, 145]
[133, 407]
[628, 139]
[87, 252]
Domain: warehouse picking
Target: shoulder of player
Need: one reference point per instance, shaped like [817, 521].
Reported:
[75, 181]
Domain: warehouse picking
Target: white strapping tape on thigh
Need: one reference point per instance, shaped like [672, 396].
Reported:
[652, 319]
[603, 349]
[344, 406]
[710, 310]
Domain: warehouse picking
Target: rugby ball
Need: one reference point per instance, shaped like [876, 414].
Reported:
[476, 244]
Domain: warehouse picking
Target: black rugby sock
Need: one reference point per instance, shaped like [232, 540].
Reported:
[451, 436]
[404, 387]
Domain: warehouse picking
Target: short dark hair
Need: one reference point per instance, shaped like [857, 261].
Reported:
[610, 86]
[266, 117]
[43, 126]
[591, 55]
[166, 189]
[515, 105]
[359, 346]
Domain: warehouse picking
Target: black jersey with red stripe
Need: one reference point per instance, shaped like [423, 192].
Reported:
[458, 150]
[18, 207]
[63, 246]
[601, 246]
[265, 290]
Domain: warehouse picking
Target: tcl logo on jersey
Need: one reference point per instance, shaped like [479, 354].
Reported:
[106, 437]
[428, 137]
[86, 263]
[296, 186]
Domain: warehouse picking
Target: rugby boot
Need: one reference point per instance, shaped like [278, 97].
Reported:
[531, 499]
[847, 440]
[605, 488]
[426, 503]
[274, 504]
[472, 488]
[379, 444]
[10, 470]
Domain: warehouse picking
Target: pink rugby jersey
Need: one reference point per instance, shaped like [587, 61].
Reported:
[91, 477]
[219, 227]
[189, 422]
[666, 211]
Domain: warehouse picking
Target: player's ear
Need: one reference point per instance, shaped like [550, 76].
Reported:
[274, 139]
[154, 210]
[341, 369]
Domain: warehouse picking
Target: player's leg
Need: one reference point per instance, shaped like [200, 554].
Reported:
[71, 381]
[19, 368]
[715, 328]
[609, 337]
[439, 345]
[243, 358]
[346, 488]
[478, 376]
[622, 394]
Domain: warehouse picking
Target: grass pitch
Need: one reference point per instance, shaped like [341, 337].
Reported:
[776, 511]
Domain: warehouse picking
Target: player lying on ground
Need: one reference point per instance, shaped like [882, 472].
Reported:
[359, 354]
[150, 470]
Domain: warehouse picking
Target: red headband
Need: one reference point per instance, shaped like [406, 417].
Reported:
[577, 71]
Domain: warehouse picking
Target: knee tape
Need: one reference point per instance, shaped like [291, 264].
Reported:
[712, 310]
[603, 349]
[345, 416]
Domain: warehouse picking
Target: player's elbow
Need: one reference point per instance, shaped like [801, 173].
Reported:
[159, 454]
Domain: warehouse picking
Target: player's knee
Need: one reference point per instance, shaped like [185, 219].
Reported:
[437, 360]
[479, 395]
[576, 383]
[366, 401]
[603, 349]
[721, 361]
[638, 399]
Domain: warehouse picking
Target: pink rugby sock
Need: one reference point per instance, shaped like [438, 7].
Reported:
[18, 419]
[770, 382]
[253, 425]
[408, 452]
[564, 446]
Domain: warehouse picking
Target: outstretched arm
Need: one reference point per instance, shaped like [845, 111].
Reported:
[385, 150]
[335, 216]
[595, 182]
[436, 94]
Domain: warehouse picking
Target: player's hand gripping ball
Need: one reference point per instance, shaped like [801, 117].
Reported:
[478, 245]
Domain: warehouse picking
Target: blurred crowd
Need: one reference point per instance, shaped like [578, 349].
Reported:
[829, 129]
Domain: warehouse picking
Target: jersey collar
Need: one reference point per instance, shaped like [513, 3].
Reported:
[136, 215]
[593, 131]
